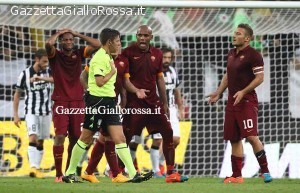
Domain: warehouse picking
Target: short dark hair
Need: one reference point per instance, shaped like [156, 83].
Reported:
[40, 53]
[167, 49]
[247, 28]
[108, 34]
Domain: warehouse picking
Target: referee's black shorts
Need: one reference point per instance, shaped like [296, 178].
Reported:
[101, 112]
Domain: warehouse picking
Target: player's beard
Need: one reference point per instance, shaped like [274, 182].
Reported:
[166, 65]
[41, 67]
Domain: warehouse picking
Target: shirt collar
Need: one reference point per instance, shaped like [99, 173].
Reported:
[243, 50]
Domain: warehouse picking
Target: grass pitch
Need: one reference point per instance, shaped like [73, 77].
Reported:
[194, 185]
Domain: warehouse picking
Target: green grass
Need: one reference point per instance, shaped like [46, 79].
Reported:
[194, 185]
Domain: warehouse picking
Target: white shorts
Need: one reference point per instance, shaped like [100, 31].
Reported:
[174, 123]
[38, 125]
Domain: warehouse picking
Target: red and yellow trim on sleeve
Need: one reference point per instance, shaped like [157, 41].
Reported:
[127, 75]
[85, 52]
[258, 70]
[160, 74]
[86, 68]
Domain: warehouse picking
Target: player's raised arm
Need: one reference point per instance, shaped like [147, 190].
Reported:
[50, 42]
[84, 79]
[94, 44]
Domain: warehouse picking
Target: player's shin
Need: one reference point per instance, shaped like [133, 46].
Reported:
[77, 152]
[95, 158]
[168, 149]
[154, 155]
[40, 153]
[111, 157]
[124, 154]
[32, 155]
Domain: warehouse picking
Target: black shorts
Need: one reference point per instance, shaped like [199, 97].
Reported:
[100, 113]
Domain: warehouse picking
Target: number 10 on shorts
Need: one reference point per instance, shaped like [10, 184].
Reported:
[248, 124]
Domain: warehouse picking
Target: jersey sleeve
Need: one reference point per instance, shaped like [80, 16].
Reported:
[160, 64]
[83, 52]
[125, 55]
[21, 81]
[87, 68]
[257, 64]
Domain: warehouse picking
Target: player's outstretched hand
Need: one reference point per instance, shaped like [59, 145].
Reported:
[167, 110]
[181, 114]
[213, 98]
[238, 97]
[141, 93]
[17, 121]
[36, 78]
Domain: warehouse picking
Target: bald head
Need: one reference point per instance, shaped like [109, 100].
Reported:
[145, 28]
[144, 36]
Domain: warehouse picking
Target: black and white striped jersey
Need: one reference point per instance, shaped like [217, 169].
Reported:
[172, 82]
[37, 94]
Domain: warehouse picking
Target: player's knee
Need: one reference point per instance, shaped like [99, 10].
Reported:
[154, 147]
[103, 138]
[33, 138]
[167, 133]
[88, 140]
[40, 143]
[253, 140]
[176, 141]
[156, 142]
[118, 139]
[59, 140]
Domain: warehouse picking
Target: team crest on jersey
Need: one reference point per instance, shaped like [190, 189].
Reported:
[136, 57]
[152, 58]
[242, 57]
[121, 64]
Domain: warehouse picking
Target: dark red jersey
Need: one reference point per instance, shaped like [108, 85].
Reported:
[143, 69]
[66, 72]
[241, 71]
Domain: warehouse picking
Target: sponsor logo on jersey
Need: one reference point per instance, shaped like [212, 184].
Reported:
[152, 58]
